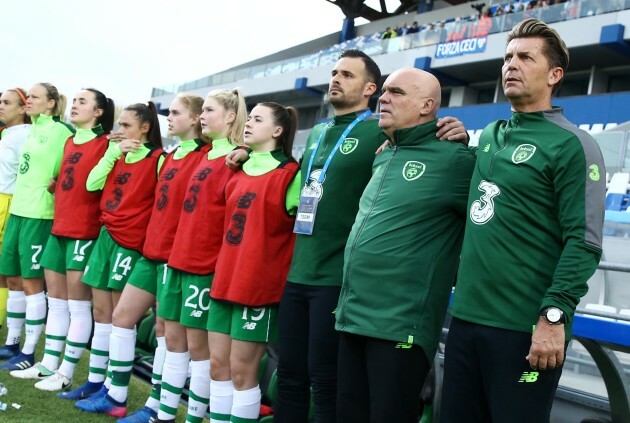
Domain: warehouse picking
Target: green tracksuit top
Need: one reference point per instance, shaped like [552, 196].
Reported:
[40, 161]
[318, 258]
[402, 253]
[534, 228]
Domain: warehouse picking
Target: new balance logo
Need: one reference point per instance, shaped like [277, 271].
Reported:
[195, 313]
[78, 258]
[403, 345]
[35, 266]
[249, 325]
[117, 277]
[529, 377]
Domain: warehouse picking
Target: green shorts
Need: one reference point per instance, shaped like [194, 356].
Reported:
[5, 204]
[149, 276]
[110, 265]
[63, 254]
[253, 324]
[186, 298]
[24, 242]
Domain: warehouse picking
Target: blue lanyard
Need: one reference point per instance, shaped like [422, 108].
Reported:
[343, 136]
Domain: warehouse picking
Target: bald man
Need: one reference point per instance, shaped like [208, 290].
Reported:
[401, 257]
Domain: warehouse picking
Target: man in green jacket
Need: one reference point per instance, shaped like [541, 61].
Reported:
[401, 257]
[336, 166]
[533, 239]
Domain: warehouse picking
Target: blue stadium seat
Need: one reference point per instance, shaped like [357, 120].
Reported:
[617, 202]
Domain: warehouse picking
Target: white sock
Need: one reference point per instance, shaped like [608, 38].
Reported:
[16, 313]
[153, 402]
[78, 335]
[198, 391]
[173, 380]
[57, 325]
[246, 404]
[99, 355]
[121, 353]
[221, 393]
[35, 319]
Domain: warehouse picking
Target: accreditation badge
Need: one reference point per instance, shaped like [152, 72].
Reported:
[307, 208]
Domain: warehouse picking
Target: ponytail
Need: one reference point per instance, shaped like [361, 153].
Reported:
[60, 107]
[52, 93]
[106, 120]
[147, 113]
[233, 100]
[287, 119]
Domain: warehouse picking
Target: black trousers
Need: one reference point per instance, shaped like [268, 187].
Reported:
[379, 381]
[308, 346]
[488, 380]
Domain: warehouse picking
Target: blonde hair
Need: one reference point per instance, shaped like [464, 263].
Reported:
[233, 100]
[53, 94]
[194, 104]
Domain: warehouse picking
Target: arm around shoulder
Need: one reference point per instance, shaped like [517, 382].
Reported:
[293, 194]
[461, 166]
[97, 177]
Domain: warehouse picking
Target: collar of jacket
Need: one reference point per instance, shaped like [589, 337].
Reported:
[348, 117]
[521, 117]
[416, 134]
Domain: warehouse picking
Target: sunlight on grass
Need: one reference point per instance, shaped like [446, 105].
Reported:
[41, 406]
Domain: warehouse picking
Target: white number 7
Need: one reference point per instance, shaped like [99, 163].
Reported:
[38, 249]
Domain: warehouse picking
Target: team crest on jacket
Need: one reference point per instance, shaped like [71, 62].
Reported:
[348, 145]
[523, 153]
[413, 170]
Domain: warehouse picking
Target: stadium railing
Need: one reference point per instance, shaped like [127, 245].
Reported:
[453, 30]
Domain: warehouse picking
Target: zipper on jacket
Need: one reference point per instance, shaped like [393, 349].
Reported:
[505, 145]
[378, 190]
[321, 153]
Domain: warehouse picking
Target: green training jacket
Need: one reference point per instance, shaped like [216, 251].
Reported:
[318, 258]
[534, 229]
[403, 250]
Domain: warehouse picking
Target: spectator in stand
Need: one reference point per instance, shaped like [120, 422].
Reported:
[389, 33]
[441, 32]
[414, 28]
[403, 30]
[483, 25]
[429, 36]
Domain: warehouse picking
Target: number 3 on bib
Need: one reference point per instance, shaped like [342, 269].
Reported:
[482, 210]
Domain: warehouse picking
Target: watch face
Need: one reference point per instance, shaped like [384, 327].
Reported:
[553, 315]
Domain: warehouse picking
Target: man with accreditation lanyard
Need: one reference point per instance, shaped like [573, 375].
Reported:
[336, 167]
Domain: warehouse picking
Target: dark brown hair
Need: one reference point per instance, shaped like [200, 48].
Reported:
[555, 49]
[106, 104]
[287, 119]
[147, 113]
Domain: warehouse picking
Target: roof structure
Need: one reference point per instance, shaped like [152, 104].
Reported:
[358, 9]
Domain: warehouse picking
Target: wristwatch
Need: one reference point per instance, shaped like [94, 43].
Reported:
[553, 315]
